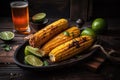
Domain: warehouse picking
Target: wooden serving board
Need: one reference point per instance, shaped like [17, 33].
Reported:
[96, 61]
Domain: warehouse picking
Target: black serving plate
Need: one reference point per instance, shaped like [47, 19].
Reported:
[19, 60]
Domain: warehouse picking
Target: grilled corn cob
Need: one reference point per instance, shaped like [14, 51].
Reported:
[42, 36]
[70, 48]
[63, 37]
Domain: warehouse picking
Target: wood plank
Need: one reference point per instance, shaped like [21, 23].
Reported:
[52, 9]
[95, 64]
[99, 59]
[8, 53]
[80, 9]
[6, 60]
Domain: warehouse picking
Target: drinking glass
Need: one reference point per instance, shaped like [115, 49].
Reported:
[20, 16]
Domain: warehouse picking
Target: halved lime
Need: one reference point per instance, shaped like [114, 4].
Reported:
[31, 50]
[33, 60]
[6, 35]
[88, 32]
[39, 17]
[26, 51]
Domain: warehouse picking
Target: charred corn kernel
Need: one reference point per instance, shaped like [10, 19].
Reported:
[63, 37]
[70, 48]
[45, 34]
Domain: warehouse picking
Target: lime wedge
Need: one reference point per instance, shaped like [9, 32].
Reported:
[6, 35]
[33, 60]
[26, 51]
[39, 17]
[31, 50]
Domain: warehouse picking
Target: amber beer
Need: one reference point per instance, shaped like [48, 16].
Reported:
[20, 15]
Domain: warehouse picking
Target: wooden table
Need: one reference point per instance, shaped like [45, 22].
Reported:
[96, 69]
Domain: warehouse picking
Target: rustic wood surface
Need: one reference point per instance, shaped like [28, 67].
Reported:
[97, 67]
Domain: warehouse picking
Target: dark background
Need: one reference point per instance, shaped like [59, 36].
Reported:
[61, 8]
[106, 8]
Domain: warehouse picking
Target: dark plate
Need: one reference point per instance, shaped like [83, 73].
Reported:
[19, 60]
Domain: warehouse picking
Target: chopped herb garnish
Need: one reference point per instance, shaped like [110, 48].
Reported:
[45, 63]
[6, 47]
[2, 45]
[66, 33]
[79, 56]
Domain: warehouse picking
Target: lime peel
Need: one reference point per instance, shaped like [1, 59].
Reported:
[99, 25]
[33, 60]
[31, 50]
[39, 17]
[88, 32]
[7, 35]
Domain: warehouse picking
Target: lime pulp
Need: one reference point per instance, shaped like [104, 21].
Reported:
[33, 60]
[6, 35]
[38, 17]
[31, 50]
[26, 51]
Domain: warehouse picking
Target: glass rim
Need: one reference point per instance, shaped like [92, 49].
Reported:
[23, 4]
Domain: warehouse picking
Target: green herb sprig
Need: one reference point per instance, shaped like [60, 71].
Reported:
[66, 33]
[6, 47]
[45, 63]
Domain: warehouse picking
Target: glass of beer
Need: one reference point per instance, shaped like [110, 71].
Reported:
[20, 16]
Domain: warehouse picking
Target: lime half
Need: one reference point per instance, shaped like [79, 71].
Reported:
[26, 51]
[88, 32]
[6, 35]
[33, 60]
[31, 50]
[39, 17]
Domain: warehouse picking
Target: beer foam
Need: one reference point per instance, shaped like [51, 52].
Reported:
[19, 4]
